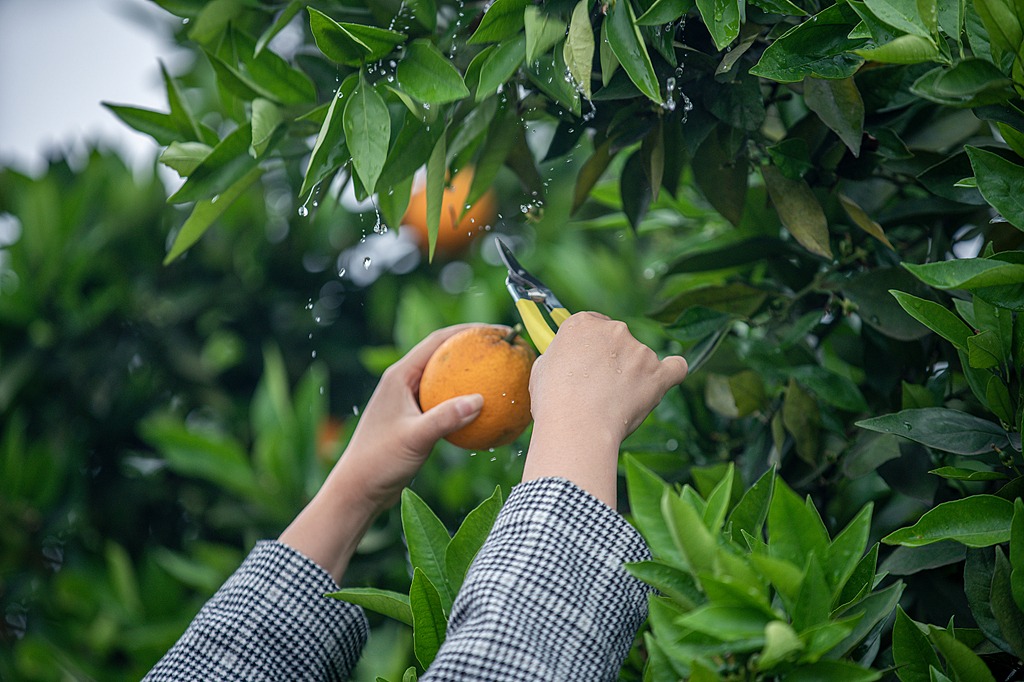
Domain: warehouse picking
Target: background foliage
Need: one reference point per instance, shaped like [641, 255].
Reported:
[818, 203]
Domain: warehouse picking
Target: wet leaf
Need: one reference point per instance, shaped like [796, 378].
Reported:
[975, 521]
[941, 428]
[628, 46]
[367, 127]
[428, 76]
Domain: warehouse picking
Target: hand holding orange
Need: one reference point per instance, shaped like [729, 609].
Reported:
[490, 361]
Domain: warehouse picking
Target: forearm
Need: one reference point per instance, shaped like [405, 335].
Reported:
[587, 456]
[329, 528]
[269, 621]
[547, 596]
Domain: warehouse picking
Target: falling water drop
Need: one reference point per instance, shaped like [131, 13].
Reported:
[367, 262]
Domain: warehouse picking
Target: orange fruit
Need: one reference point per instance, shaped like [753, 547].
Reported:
[493, 363]
[453, 234]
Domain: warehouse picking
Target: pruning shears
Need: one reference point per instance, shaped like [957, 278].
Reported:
[538, 306]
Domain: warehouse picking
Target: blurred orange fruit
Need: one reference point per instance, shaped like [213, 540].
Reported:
[489, 361]
[453, 234]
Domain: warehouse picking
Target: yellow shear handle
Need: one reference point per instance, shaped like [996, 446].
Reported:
[560, 315]
[536, 325]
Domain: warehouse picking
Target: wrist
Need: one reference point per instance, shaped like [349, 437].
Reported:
[586, 456]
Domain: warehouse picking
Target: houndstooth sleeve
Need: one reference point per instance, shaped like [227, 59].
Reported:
[547, 597]
[269, 621]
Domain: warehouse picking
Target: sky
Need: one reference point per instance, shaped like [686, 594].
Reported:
[60, 58]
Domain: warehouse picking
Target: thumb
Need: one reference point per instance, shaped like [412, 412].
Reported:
[673, 370]
[450, 415]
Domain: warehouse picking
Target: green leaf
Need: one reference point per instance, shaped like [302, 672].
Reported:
[645, 491]
[795, 529]
[802, 419]
[543, 31]
[904, 16]
[936, 317]
[726, 623]
[906, 49]
[351, 44]
[818, 47]
[1004, 22]
[722, 18]
[941, 428]
[839, 106]
[500, 66]
[329, 147]
[1014, 138]
[664, 12]
[469, 538]
[436, 170]
[721, 173]
[266, 117]
[368, 131]
[1017, 553]
[975, 521]
[846, 550]
[871, 610]
[799, 210]
[968, 273]
[911, 650]
[385, 602]
[961, 474]
[669, 580]
[695, 543]
[751, 511]
[964, 663]
[970, 83]
[1004, 608]
[627, 44]
[984, 350]
[579, 47]
[999, 181]
[718, 501]
[207, 456]
[428, 617]
[814, 600]
[503, 19]
[273, 74]
[832, 388]
[283, 19]
[206, 211]
[781, 643]
[428, 76]
[180, 111]
[184, 157]
[833, 671]
[428, 541]
[220, 169]
[160, 126]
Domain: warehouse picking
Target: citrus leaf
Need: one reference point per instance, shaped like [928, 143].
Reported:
[578, 51]
[428, 76]
[428, 618]
[469, 538]
[839, 105]
[941, 428]
[975, 521]
[936, 317]
[798, 210]
[543, 31]
[428, 541]
[206, 211]
[722, 18]
[391, 604]
[1000, 182]
[436, 168]
[627, 44]
[502, 20]
[351, 44]
[367, 127]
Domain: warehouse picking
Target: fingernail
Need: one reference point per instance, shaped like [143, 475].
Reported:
[469, 404]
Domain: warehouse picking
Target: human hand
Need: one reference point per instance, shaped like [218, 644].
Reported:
[394, 437]
[593, 386]
[390, 444]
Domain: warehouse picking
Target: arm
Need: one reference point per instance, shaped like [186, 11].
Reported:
[270, 620]
[547, 596]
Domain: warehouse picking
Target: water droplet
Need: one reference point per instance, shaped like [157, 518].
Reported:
[494, 459]
[367, 262]
[355, 410]
[303, 211]
[908, 425]
[313, 355]
[341, 273]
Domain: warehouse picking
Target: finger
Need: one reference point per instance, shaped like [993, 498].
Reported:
[447, 417]
[673, 370]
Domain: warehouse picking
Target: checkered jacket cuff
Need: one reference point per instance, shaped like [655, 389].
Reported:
[269, 621]
[547, 597]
